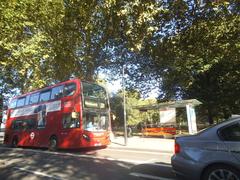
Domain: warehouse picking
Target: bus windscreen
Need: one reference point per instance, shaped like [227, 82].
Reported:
[95, 96]
[95, 116]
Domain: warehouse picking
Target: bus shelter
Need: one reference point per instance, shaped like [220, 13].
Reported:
[167, 113]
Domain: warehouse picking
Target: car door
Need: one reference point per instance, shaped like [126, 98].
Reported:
[231, 137]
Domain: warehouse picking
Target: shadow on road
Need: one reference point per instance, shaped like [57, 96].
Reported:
[161, 170]
[78, 151]
[21, 164]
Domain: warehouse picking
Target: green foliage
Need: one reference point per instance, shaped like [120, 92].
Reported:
[175, 45]
[24, 42]
[44, 42]
[218, 89]
[183, 54]
[134, 117]
[201, 60]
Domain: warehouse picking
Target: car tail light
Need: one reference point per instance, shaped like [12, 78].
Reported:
[177, 148]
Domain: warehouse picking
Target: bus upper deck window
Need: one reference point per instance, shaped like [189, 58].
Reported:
[57, 92]
[20, 102]
[13, 103]
[69, 89]
[45, 96]
[27, 100]
[34, 98]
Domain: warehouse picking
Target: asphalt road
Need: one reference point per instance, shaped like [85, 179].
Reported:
[99, 164]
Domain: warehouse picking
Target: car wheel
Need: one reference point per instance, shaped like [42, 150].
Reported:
[221, 172]
[53, 144]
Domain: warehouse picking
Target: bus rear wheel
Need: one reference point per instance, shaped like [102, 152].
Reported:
[53, 144]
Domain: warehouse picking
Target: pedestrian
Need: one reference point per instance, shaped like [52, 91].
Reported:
[129, 131]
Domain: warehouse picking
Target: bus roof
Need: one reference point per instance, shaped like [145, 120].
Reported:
[54, 85]
[46, 87]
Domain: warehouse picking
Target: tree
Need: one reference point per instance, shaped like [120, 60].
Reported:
[24, 42]
[187, 59]
[133, 99]
[208, 50]
[44, 42]
[168, 44]
[218, 89]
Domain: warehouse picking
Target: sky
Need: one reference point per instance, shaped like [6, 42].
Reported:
[114, 86]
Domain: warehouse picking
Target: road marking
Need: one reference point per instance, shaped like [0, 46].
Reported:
[149, 176]
[37, 173]
[161, 165]
[133, 151]
[79, 155]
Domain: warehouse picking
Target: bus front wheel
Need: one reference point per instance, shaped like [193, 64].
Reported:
[52, 144]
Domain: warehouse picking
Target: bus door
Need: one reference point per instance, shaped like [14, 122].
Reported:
[70, 133]
[19, 132]
[28, 135]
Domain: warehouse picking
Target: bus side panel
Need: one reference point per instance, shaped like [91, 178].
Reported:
[71, 138]
[53, 120]
[7, 137]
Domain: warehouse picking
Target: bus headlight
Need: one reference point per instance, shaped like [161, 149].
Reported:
[86, 137]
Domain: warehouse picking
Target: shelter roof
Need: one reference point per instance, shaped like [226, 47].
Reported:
[169, 104]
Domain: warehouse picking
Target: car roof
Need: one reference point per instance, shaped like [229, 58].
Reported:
[211, 132]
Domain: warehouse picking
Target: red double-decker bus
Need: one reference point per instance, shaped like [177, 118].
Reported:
[71, 114]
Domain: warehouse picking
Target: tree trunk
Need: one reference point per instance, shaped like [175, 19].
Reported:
[90, 72]
[210, 115]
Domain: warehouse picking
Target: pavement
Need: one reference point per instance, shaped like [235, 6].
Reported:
[143, 143]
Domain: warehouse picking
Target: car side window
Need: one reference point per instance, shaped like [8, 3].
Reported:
[231, 133]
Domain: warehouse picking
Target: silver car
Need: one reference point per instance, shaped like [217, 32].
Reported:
[213, 154]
